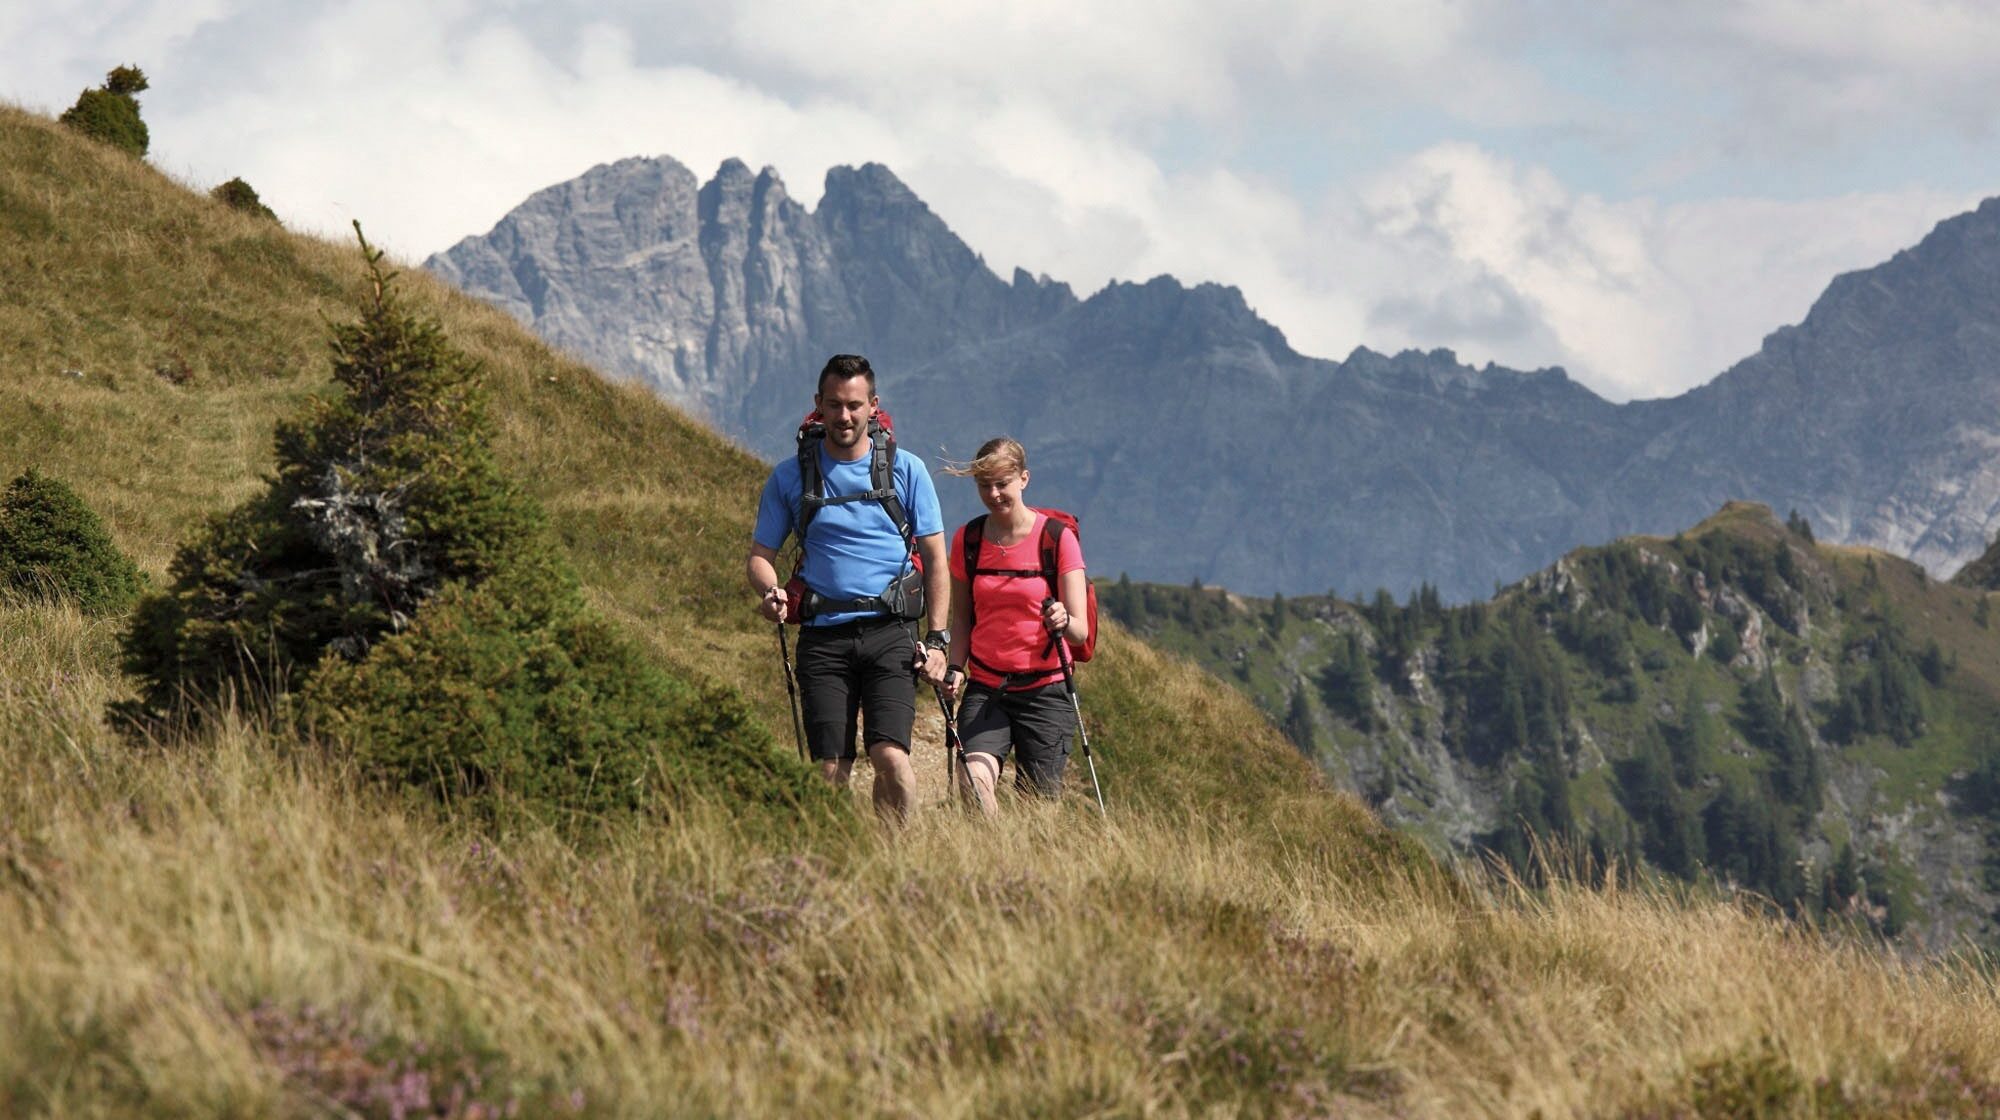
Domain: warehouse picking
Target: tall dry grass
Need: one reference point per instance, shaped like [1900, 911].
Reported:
[233, 927]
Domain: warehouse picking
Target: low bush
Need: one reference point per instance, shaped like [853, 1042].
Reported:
[110, 113]
[54, 547]
[491, 703]
[239, 195]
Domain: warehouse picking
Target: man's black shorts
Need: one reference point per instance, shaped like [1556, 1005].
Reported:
[861, 667]
[1037, 722]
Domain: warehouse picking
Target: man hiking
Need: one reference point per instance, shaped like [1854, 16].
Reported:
[867, 518]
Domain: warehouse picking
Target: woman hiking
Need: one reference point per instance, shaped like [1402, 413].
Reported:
[1017, 588]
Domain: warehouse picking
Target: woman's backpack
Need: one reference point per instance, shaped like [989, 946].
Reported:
[1058, 522]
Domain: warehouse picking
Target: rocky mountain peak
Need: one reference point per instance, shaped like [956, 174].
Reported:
[1875, 417]
[871, 187]
[874, 217]
[1198, 318]
[735, 195]
[1950, 272]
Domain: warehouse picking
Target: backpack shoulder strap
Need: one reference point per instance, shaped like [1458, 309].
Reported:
[881, 480]
[975, 539]
[882, 477]
[1052, 531]
[812, 484]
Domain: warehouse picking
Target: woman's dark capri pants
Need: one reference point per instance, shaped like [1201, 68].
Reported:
[1037, 722]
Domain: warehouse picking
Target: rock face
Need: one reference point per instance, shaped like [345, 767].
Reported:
[1195, 442]
[728, 296]
[1877, 417]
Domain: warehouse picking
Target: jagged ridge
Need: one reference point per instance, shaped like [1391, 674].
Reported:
[1197, 443]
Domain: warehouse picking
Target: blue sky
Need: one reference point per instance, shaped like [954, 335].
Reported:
[1635, 191]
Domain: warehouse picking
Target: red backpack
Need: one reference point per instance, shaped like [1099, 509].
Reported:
[1052, 531]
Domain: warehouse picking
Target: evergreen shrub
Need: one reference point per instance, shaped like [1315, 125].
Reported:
[54, 547]
[518, 713]
[239, 195]
[110, 113]
[395, 594]
[385, 491]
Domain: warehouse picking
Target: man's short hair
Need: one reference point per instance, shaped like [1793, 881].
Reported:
[840, 367]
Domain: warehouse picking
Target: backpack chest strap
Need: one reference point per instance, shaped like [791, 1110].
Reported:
[883, 496]
[881, 479]
[975, 542]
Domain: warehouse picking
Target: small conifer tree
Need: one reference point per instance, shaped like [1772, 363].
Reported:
[1799, 526]
[54, 547]
[408, 603]
[384, 492]
[1299, 721]
[110, 112]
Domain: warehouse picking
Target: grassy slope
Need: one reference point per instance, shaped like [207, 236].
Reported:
[236, 929]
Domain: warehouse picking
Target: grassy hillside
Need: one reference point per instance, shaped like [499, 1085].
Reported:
[236, 926]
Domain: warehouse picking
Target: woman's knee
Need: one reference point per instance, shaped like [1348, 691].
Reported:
[983, 767]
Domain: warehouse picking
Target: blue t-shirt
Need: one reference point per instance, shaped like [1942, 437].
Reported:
[852, 549]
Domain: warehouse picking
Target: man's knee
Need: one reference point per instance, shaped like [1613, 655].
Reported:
[836, 770]
[890, 757]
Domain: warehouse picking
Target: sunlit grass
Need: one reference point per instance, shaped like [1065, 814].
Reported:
[234, 927]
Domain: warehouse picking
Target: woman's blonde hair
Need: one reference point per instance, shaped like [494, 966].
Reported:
[1000, 455]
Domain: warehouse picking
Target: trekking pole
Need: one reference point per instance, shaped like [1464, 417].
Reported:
[1083, 736]
[792, 693]
[954, 747]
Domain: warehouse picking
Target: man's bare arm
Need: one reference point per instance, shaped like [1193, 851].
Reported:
[937, 581]
[937, 603]
[761, 569]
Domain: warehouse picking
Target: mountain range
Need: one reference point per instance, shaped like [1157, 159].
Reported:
[1196, 443]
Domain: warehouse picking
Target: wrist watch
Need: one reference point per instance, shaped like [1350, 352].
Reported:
[939, 640]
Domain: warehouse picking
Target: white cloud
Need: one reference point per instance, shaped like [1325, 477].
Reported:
[1784, 79]
[1639, 298]
[1133, 64]
[457, 119]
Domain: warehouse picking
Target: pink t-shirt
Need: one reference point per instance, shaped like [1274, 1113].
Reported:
[1007, 630]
